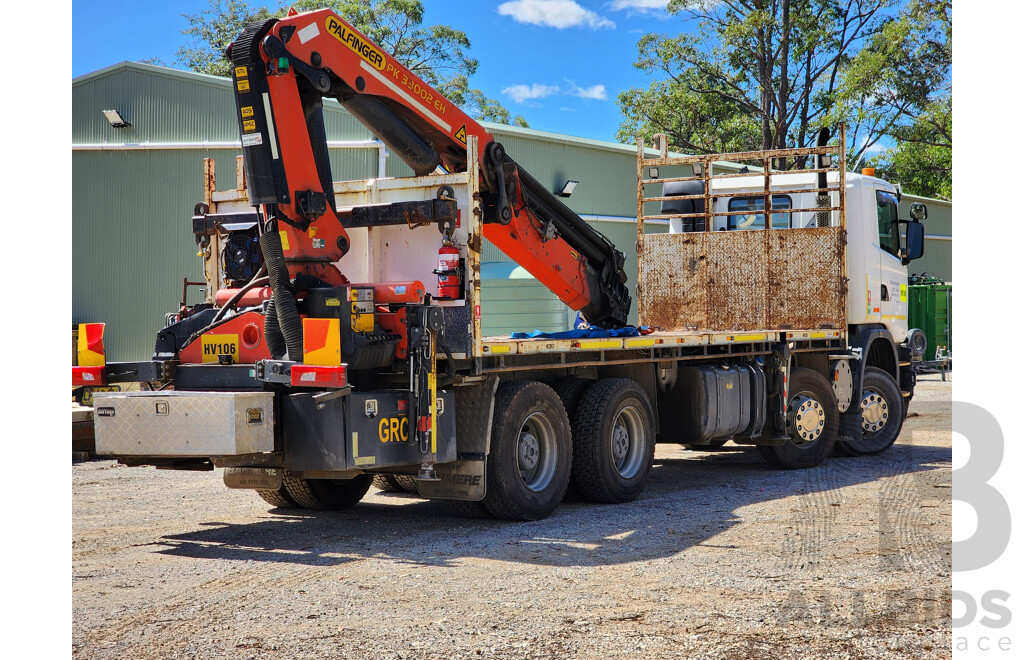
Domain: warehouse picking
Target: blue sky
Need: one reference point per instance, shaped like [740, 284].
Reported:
[559, 63]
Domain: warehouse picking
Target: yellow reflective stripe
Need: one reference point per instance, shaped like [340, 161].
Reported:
[617, 343]
[760, 337]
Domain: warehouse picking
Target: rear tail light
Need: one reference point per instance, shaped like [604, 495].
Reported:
[307, 375]
[88, 376]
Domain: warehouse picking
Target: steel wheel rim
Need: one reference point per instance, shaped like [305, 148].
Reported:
[536, 453]
[805, 419]
[628, 440]
[875, 409]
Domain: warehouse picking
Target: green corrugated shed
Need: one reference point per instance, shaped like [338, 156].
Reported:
[937, 261]
[507, 292]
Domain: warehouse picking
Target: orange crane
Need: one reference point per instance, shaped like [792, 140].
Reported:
[282, 71]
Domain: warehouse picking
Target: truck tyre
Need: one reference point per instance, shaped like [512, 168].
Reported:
[531, 452]
[406, 482]
[386, 483]
[570, 390]
[882, 415]
[395, 483]
[278, 498]
[812, 419]
[613, 441]
[328, 494]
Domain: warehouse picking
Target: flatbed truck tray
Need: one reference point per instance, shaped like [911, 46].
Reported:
[506, 345]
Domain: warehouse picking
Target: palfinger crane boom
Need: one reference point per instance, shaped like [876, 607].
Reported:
[282, 70]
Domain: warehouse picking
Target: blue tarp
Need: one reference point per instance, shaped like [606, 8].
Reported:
[581, 333]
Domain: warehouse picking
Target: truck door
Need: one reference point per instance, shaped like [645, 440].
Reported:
[890, 295]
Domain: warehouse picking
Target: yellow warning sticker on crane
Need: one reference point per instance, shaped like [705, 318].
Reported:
[460, 134]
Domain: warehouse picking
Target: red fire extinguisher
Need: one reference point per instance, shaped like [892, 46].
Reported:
[449, 275]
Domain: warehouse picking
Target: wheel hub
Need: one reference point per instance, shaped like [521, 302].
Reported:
[875, 413]
[805, 419]
[529, 451]
[620, 443]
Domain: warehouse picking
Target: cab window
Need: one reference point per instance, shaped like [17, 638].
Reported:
[749, 212]
[888, 227]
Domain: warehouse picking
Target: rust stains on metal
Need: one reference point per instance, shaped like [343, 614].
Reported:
[723, 281]
[743, 280]
[806, 278]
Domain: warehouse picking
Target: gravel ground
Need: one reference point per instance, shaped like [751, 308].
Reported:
[721, 557]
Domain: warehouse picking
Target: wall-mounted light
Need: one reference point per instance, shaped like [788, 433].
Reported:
[698, 169]
[568, 188]
[115, 119]
[654, 172]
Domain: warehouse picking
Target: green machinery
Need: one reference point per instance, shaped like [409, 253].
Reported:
[931, 310]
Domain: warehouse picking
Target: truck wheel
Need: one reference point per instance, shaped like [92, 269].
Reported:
[570, 390]
[386, 483]
[882, 415]
[329, 494]
[407, 483]
[812, 419]
[531, 452]
[395, 483]
[613, 441]
[278, 498]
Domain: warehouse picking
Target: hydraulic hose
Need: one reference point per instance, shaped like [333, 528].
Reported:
[271, 327]
[287, 311]
[272, 332]
[257, 280]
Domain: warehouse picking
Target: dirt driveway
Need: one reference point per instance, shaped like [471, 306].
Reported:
[721, 557]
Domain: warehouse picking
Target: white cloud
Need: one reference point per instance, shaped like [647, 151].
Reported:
[640, 5]
[520, 93]
[595, 92]
[559, 14]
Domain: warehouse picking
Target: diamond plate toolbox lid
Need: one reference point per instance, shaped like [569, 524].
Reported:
[192, 424]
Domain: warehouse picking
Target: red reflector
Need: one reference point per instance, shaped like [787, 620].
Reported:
[88, 376]
[307, 375]
[423, 425]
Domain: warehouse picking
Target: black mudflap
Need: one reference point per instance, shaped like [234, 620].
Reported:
[466, 478]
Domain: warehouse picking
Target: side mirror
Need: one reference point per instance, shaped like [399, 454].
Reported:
[918, 212]
[914, 247]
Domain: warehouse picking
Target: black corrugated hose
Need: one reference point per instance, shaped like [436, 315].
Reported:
[284, 307]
